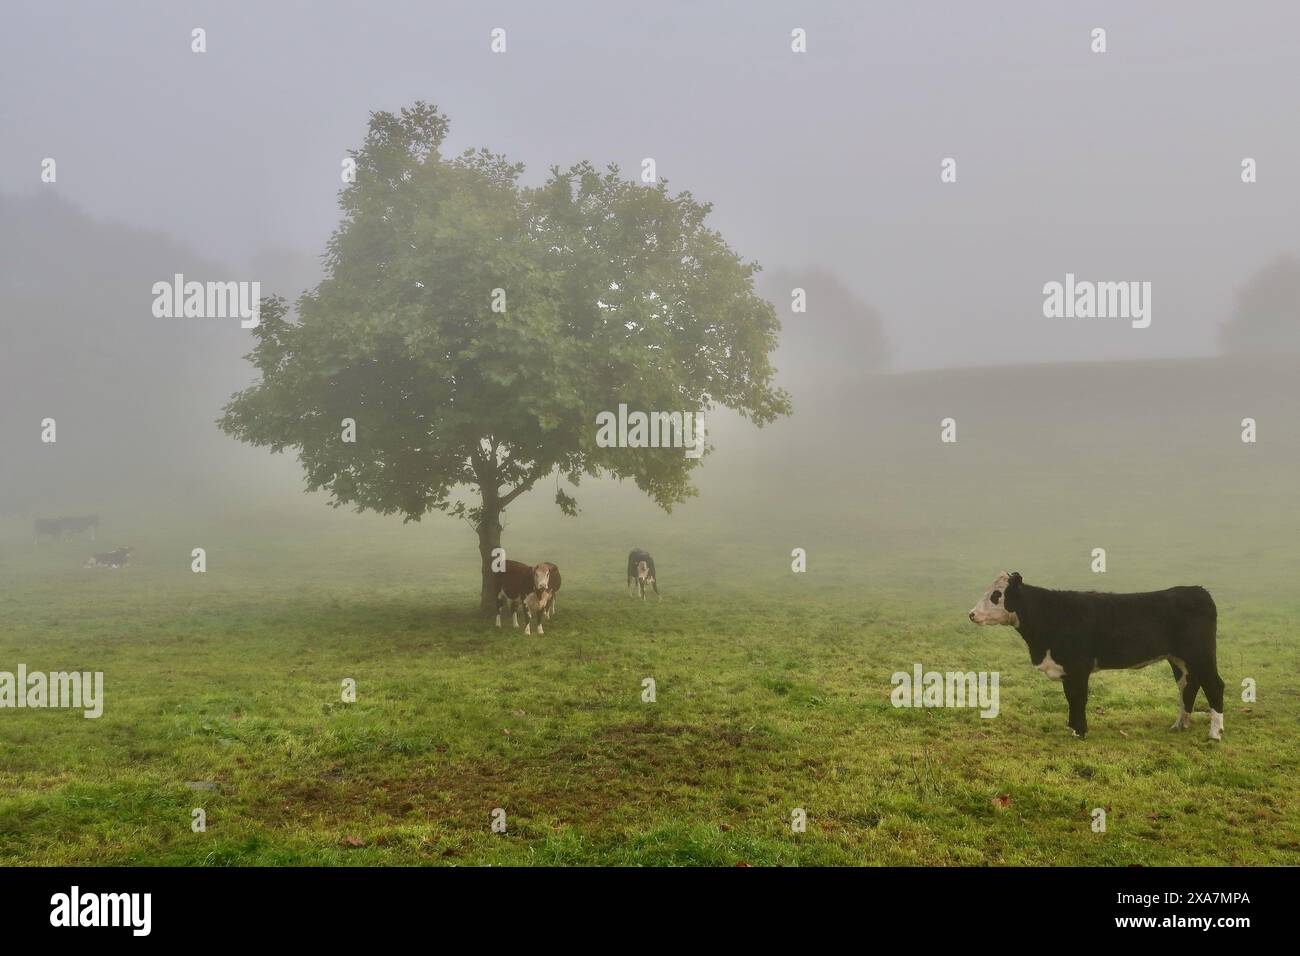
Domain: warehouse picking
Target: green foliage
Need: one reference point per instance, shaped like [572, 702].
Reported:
[614, 292]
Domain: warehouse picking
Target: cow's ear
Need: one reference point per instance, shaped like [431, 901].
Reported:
[1015, 580]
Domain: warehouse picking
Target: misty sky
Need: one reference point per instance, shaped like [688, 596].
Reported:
[1120, 166]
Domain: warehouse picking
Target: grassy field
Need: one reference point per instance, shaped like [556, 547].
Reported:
[223, 689]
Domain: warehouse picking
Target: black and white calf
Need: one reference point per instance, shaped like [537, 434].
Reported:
[1073, 633]
[119, 558]
[641, 572]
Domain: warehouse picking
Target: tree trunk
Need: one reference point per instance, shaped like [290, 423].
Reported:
[489, 539]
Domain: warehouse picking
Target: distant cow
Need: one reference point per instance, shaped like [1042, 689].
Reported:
[63, 528]
[110, 559]
[641, 572]
[523, 585]
[1073, 633]
[552, 577]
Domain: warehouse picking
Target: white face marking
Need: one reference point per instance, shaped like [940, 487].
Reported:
[642, 570]
[541, 577]
[991, 608]
[1052, 669]
[1216, 725]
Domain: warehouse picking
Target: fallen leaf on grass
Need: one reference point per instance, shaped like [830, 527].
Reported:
[1002, 801]
[354, 841]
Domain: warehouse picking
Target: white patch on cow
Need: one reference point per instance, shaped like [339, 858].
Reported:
[1216, 725]
[498, 618]
[1052, 669]
[1183, 722]
[991, 608]
[514, 617]
[1182, 671]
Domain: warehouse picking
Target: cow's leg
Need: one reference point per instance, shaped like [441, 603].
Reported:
[1076, 695]
[1187, 688]
[1213, 684]
[1204, 669]
[531, 608]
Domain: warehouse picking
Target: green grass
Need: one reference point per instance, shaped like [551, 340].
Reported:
[772, 688]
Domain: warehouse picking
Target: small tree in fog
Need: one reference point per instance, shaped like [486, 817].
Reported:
[474, 328]
[1267, 316]
[838, 337]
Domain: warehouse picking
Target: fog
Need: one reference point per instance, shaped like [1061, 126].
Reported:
[824, 167]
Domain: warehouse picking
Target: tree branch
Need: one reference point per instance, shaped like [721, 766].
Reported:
[523, 486]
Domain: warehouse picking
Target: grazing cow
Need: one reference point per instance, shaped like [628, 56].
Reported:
[1073, 633]
[110, 559]
[64, 528]
[552, 585]
[641, 571]
[523, 585]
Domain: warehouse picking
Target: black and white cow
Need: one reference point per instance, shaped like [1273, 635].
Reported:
[1070, 634]
[527, 586]
[641, 572]
[63, 528]
[118, 558]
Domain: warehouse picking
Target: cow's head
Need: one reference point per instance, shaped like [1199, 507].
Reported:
[542, 578]
[998, 603]
[642, 570]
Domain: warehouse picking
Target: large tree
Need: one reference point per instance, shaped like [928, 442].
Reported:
[474, 328]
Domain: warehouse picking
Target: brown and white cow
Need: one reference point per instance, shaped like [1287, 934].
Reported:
[552, 584]
[526, 585]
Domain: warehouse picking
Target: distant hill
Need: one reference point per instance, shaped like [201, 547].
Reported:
[133, 396]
